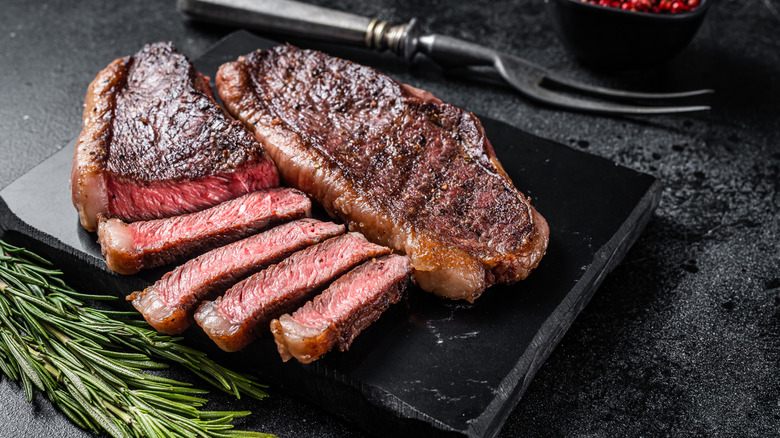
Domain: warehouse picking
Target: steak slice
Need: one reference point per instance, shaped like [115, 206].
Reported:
[128, 248]
[154, 143]
[168, 305]
[243, 313]
[394, 162]
[336, 316]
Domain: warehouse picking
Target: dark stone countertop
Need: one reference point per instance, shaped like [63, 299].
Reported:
[682, 339]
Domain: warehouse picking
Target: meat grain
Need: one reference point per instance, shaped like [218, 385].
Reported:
[128, 248]
[235, 319]
[348, 306]
[168, 305]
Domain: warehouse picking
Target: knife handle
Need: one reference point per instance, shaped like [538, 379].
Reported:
[292, 18]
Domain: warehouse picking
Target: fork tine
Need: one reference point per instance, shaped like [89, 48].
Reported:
[550, 97]
[527, 78]
[611, 92]
[561, 100]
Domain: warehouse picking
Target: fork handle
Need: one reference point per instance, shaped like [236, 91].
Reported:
[292, 18]
[453, 52]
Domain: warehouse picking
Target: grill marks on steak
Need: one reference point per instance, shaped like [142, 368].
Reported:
[128, 248]
[237, 318]
[348, 306]
[396, 163]
[154, 143]
[169, 304]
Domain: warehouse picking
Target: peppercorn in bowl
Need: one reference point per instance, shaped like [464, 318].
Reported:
[626, 35]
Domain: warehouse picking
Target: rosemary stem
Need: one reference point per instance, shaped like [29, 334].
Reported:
[118, 412]
[94, 364]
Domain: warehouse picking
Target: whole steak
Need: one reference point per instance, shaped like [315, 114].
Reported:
[394, 162]
[155, 144]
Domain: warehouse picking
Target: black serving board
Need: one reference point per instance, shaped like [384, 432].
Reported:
[428, 367]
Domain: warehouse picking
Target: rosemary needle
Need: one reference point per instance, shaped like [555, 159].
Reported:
[93, 363]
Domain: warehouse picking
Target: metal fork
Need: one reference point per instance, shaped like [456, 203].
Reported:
[532, 80]
[289, 17]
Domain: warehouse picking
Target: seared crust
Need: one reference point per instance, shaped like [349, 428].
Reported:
[395, 163]
[87, 180]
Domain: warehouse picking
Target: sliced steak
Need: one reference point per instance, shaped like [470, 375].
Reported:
[128, 248]
[168, 305]
[243, 313]
[394, 162]
[154, 143]
[336, 316]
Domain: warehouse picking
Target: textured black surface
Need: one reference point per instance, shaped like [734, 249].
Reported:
[595, 211]
[681, 339]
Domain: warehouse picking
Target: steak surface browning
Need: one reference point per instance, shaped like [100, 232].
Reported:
[154, 143]
[394, 162]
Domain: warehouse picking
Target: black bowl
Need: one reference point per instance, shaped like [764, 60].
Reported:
[613, 39]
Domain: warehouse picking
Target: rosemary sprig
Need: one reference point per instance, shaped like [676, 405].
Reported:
[93, 363]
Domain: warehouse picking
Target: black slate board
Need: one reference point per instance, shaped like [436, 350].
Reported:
[428, 367]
